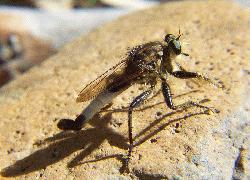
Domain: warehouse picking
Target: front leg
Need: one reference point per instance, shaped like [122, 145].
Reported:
[187, 75]
[168, 99]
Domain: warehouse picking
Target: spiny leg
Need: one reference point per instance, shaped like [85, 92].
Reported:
[187, 75]
[135, 103]
[168, 99]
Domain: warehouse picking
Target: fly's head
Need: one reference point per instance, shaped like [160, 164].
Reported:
[174, 45]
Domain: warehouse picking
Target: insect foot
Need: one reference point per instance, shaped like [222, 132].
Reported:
[125, 168]
[211, 111]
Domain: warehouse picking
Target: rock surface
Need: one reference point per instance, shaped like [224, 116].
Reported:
[187, 144]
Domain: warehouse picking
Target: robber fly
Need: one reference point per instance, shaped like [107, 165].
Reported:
[145, 64]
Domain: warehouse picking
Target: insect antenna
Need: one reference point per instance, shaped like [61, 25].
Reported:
[179, 34]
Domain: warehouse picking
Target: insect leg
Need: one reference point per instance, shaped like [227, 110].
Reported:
[168, 99]
[135, 103]
[187, 75]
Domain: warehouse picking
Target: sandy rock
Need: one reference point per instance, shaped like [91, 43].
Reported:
[187, 144]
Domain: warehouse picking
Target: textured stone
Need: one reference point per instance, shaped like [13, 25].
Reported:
[185, 144]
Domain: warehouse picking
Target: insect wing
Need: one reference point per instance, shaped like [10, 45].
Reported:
[100, 84]
[119, 76]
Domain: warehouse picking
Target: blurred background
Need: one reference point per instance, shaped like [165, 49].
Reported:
[33, 30]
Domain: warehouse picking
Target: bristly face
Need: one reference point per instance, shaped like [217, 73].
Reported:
[173, 43]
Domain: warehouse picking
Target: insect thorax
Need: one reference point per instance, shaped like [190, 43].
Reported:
[147, 59]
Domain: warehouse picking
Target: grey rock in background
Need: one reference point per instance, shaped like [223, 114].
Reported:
[62, 26]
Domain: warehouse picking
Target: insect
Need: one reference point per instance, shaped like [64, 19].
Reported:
[145, 64]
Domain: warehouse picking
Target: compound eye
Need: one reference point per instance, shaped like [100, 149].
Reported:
[176, 46]
[169, 37]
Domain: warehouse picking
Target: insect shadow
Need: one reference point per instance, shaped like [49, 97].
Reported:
[64, 144]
